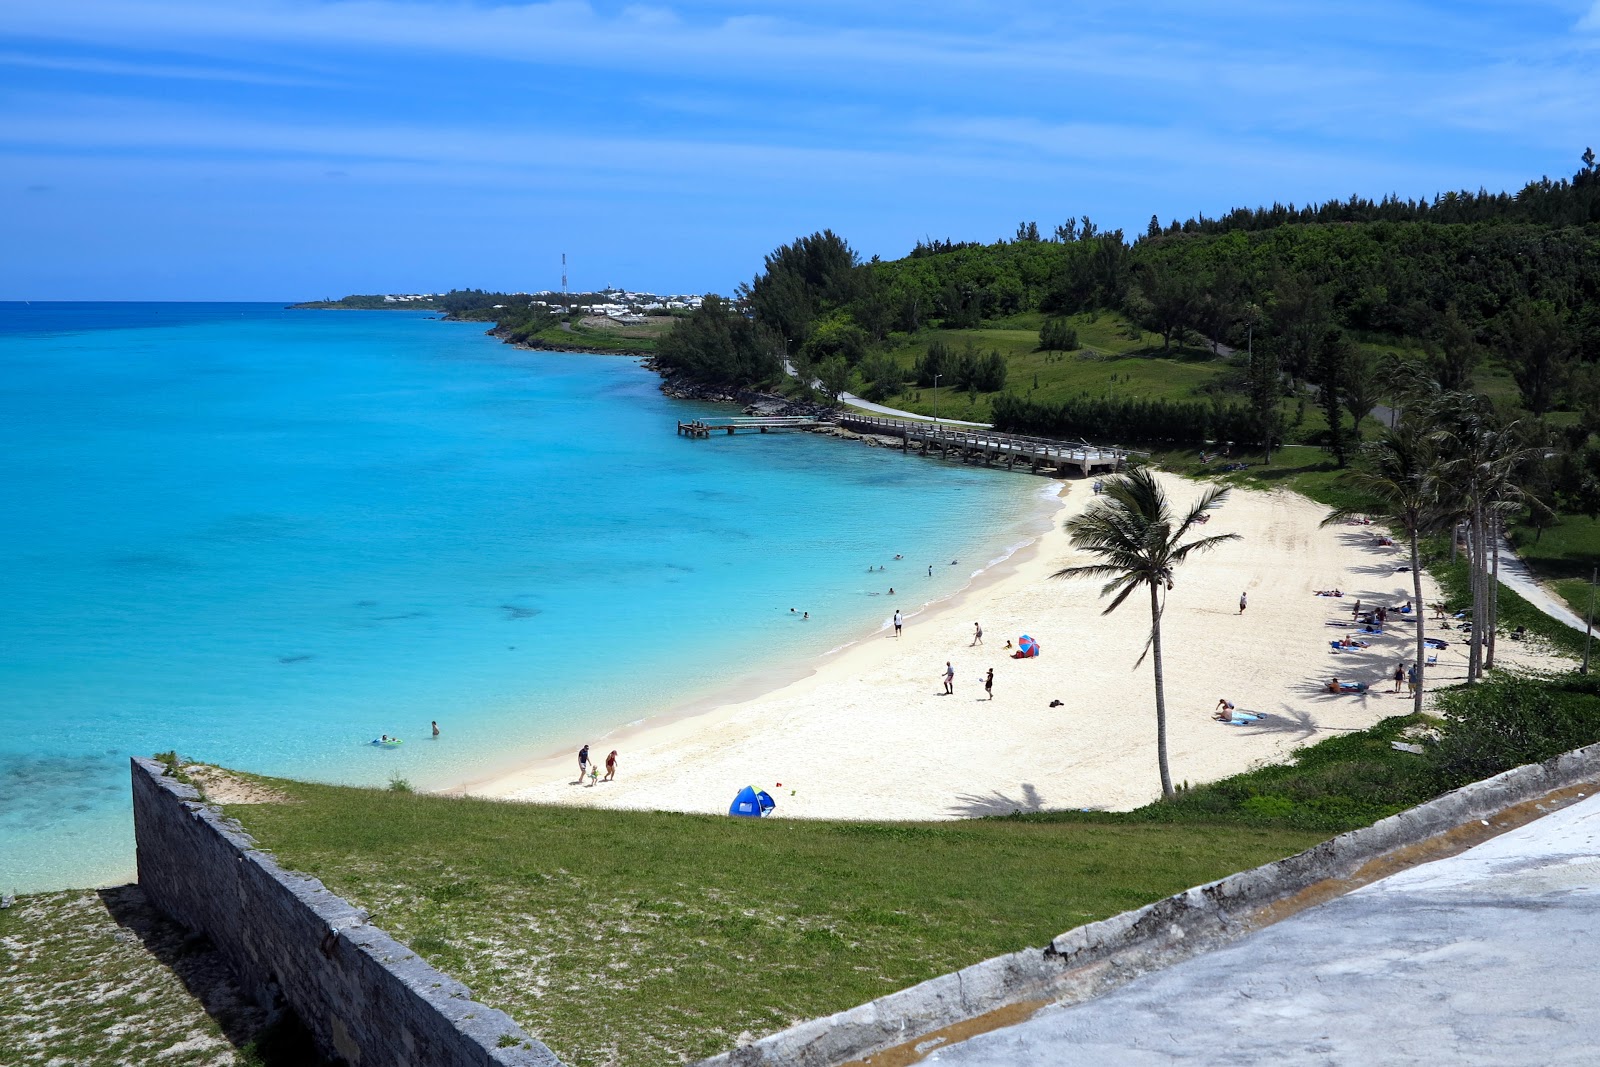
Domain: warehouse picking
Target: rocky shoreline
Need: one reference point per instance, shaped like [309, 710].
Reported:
[754, 401]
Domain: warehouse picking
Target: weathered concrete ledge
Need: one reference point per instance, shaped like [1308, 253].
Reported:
[366, 998]
[1093, 959]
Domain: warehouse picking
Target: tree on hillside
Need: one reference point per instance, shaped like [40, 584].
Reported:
[1454, 353]
[1130, 529]
[1299, 317]
[1536, 341]
[1265, 381]
[834, 374]
[1361, 388]
[882, 375]
[801, 281]
[1169, 303]
[1057, 335]
[1331, 367]
[717, 345]
[1401, 469]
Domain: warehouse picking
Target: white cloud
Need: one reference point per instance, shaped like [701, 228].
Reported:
[157, 70]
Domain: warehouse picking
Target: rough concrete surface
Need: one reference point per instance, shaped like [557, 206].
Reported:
[1090, 961]
[1485, 957]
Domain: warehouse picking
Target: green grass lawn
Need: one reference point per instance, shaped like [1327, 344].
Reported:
[1563, 556]
[623, 340]
[645, 938]
[1115, 358]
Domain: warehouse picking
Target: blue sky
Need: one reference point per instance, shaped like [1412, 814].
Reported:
[284, 149]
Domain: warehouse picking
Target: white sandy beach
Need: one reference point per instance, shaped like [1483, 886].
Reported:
[869, 735]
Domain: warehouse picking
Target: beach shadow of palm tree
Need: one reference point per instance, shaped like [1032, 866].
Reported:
[973, 805]
[1288, 721]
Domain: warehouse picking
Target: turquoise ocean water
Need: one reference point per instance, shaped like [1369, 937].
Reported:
[262, 537]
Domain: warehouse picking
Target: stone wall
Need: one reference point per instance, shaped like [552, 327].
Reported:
[366, 998]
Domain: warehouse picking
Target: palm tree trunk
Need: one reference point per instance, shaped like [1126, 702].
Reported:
[1475, 573]
[1416, 588]
[1161, 696]
[1494, 590]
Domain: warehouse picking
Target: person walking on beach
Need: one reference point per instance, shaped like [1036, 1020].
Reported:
[949, 678]
[898, 622]
[988, 683]
[1355, 612]
[977, 635]
[1244, 599]
[611, 766]
[1399, 674]
[583, 762]
[1411, 679]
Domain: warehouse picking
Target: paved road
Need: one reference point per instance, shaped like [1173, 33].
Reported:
[895, 413]
[1488, 957]
[878, 409]
[1515, 574]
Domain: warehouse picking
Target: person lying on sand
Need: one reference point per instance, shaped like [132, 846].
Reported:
[1336, 686]
[1328, 592]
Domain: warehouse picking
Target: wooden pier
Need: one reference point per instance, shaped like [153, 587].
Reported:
[1039, 455]
[748, 424]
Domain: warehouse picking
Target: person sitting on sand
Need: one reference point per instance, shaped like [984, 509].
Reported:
[1009, 646]
[1224, 712]
[1334, 687]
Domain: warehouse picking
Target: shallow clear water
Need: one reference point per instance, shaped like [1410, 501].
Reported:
[264, 537]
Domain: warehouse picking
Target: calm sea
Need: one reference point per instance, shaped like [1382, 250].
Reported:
[262, 537]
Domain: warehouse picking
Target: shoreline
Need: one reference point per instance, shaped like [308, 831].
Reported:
[867, 732]
[763, 682]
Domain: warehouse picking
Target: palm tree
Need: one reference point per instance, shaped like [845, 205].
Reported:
[1401, 469]
[1131, 529]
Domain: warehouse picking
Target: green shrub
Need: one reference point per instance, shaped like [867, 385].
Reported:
[1515, 719]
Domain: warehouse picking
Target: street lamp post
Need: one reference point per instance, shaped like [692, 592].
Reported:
[936, 399]
[1588, 632]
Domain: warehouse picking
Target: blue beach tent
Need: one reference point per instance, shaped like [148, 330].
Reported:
[752, 803]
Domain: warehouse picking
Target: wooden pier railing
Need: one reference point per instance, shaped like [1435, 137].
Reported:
[748, 423]
[1040, 454]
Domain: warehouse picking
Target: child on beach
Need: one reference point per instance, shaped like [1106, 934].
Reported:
[594, 775]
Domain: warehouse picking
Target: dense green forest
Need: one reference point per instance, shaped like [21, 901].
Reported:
[1283, 323]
